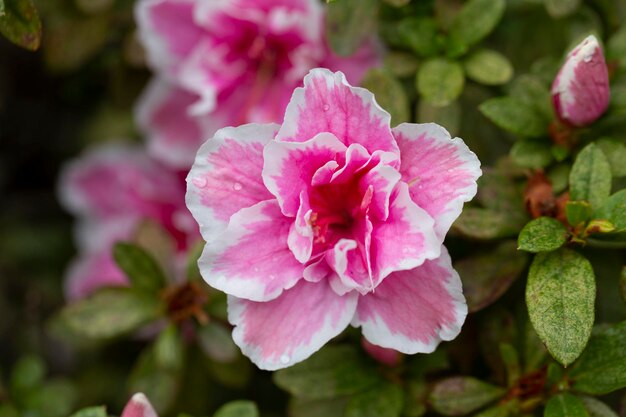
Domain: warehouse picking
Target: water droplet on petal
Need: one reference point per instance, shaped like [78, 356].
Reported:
[272, 277]
[200, 182]
[405, 250]
[284, 359]
[326, 107]
[256, 269]
[237, 186]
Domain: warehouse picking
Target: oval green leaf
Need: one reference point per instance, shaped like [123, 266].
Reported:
[389, 93]
[239, 408]
[457, 396]
[515, 116]
[488, 67]
[565, 405]
[440, 81]
[542, 235]
[590, 178]
[476, 20]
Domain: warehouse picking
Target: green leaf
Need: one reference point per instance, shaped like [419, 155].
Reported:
[565, 405]
[299, 407]
[622, 284]
[511, 361]
[476, 20]
[488, 275]
[143, 272]
[457, 396]
[485, 224]
[615, 152]
[19, 23]
[577, 212]
[217, 343]
[448, 116]
[241, 408]
[397, 3]
[488, 67]
[616, 46]
[415, 401]
[561, 8]
[384, 400]
[28, 373]
[331, 372]
[614, 210]
[56, 398]
[602, 367]
[500, 410]
[440, 81]
[2, 8]
[534, 93]
[590, 178]
[401, 64]
[110, 313]
[542, 235]
[91, 412]
[349, 23]
[389, 94]
[560, 295]
[419, 34]
[597, 408]
[169, 349]
[529, 153]
[559, 177]
[159, 385]
[514, 116]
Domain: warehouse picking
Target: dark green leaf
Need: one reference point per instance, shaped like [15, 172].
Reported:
[542, 235]
[397, 3]
[561, 8]
[486, 276]
[28, 373]
[615, 152]
[514, 116]
[216, 341]
[384, 400]
[401, 64]
[457, 396]
[415, 402]
[602, 367]
[159, 385]
[597, 408]
[616, 46]
[169, 349]
[389, 94]
[448, 116]
[590, 178]
[500, 410]
[419, 34]
[565, 405]
[476, 20]
[56, 398]
[110, 313]
[19, 23]
[577, 212]
[143, 272]
[535, 352]
[534, 93]
[560, 296]
[488, 67]
[559, 177]
[614, 210]
[485, 224]
[239, 408]
[531, 153]
[440, 81]
[349, 23]
[510, 358]
[622, 284]
[331, 372]
[91, 412]
[299, 407]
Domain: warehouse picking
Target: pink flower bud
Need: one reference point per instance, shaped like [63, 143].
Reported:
[139, 406]
[389, 357]
[580, 91]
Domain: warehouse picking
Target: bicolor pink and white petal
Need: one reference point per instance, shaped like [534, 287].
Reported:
[139, 406]
[580, 91]
[231, 62]
[332, 219]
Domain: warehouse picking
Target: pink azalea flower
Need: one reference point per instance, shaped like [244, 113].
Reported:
[228, 62]
[580, 91]
[332, 219]
[112, 190]
[139, 406]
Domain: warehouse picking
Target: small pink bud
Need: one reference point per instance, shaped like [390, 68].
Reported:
[389, 357]
[580, 91]
[139, 406]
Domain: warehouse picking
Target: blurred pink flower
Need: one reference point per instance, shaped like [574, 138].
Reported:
[580, 91]
[111, 190]
[227, 62]
[332, 219]
[389, 357]
[139, 406]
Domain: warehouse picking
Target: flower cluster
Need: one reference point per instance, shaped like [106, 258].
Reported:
[330, 219]
[224, 63]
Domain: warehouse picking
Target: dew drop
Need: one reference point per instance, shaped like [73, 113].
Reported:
[284, 359]
[237, 186]
[272, 277]
[326, 107]
[200, 182]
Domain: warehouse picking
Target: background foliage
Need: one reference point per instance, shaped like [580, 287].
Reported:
[540, 250]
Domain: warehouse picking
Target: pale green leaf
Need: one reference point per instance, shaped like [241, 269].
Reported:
[515, 116]
[590, 178]
[542, 235]
[440, 81]
[488, 67]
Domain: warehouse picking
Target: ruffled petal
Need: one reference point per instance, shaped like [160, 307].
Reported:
[405, 239]
[327, 103]
[289, 329]
[226, 176]
[251, 258]
[412, 311]
[441, 172]
[580, 91]
[289, 167]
